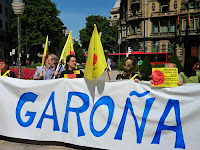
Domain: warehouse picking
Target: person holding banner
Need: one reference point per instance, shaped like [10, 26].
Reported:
[51, 70]
[128, 73]
[4, 69]
[70, 69]
[190, 72]
[171, 65]
[40, 71]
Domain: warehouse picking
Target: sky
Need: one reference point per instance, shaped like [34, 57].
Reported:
[73, 13]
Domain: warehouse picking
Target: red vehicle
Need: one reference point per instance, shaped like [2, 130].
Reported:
[159, 58]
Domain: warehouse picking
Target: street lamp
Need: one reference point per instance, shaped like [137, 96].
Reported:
[18, 8]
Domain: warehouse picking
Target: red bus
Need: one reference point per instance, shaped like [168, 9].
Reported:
[155, 58]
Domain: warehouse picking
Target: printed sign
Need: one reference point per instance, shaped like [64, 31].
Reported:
[165, 77]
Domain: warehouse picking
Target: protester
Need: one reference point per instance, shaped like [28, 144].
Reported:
[128, 73]
[40, 71]
[109, 64]
[70, 69]
[4, 69]
[51, 72]
[172, 65]
[190, 72]
[140, 63]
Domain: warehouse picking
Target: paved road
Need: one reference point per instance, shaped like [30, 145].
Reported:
[17, 144]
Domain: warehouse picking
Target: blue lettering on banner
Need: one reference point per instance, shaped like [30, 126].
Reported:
[26, 97]
[105, 100]
[139, 130]
[83, 108]
[54, 116]
[178, 129]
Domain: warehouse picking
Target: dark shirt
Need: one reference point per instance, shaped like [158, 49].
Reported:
[9, 74]
[76, 72]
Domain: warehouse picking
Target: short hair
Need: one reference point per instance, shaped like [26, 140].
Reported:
[4, 60]
[54, 57]
[166, 65]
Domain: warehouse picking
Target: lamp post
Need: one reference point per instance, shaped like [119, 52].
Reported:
[18, 8]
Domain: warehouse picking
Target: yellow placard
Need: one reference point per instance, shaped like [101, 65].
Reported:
[165, 77]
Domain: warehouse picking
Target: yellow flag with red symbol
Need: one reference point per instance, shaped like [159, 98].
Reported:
[45, 54]
[68, 48]
[96, 62]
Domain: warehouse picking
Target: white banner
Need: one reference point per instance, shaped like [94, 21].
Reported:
[108, 115]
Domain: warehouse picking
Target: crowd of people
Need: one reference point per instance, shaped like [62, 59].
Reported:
[53, 70]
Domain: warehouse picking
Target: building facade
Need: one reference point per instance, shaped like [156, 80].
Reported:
[160, 26]
[114, 13]
[5, 34]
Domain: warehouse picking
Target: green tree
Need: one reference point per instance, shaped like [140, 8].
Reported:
[174, 59]
[109, 33]
[78, 52]
[121, 64]
[146, 68]
[40, 19]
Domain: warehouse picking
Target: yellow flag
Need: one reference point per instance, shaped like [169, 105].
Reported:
[45, 54]
[68, 48]
[96, 62]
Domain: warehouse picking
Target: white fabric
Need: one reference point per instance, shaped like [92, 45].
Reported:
[101, 95]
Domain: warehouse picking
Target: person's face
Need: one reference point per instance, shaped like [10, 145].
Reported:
[171, 65]
[3, 66]
[196, 66]
[72, 63]
[128, 65]
[49, 60]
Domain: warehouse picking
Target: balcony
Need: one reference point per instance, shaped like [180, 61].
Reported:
[190, 32]
[163, 14]
[134, 36]
[163, 34]
[192, 10]
[137, 15]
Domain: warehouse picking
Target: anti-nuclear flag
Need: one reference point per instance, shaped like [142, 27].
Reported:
[45, 54]
[96, 62]
[68, 48]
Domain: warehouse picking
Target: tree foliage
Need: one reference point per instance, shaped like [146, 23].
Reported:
[40, 19]
[78, 52]
[109, 33]
[146, 68]
[174, 59]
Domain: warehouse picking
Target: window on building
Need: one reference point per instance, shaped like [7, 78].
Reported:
[2, 38]
[184, 25]
[1, 24]
[115, 17]
[164, 8]
[123, 31]
[163, 47]
[155, 26]
[153, 46]
[0, 9]
[172, 26]
[164, 26]
[7, 27]
[6, 12]
[196, 23]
